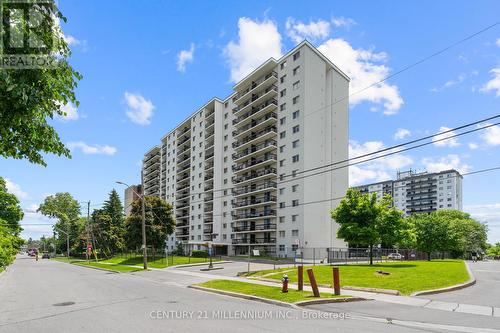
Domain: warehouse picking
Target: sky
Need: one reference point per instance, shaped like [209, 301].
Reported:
[147, 65]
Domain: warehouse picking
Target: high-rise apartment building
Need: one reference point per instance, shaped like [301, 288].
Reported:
[236, 169]
[132, 193]
[422, 192]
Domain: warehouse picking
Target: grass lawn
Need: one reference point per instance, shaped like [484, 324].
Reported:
[264, 291]
[407, 277]
[109, 267]
[159, 262]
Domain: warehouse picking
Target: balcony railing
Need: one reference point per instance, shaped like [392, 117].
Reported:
[255, 148]
[255, 97]
[253, 174]
[255, 227]
[254, 201]
[254, 161]
[255, 84]
[255, 187]
[253, 136]
[254, 110]
[253, 240]
[254, 214]
[255, 122]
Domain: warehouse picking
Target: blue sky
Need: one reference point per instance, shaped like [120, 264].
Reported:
[147, 65]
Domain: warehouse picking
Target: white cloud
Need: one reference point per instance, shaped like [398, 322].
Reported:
[73, 41]
[15, 189]
[489, 213]
[71, 112]
[453, 142]
[313, 31]
[473, 145]
[450, 83]
[257, 42]
[343, 21]
[184, 57]
[140, 110]
[448, 162]
[494, 83]
[491, 135]
[92, 149]
[376, 170]
[401, 133]
[365, 68]
[498, 42]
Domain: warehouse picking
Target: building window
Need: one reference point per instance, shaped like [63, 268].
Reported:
[295, 203]
[282, 219]
[283, 78]
[283, 135]
[295, 188]
[282, 149]
[295, 115]
[295, 129]
[295, 218]
[295, 158]
[295, 144]
[295, 233]
[282, 163]
[296, 99]
[282, 233]
[282, 205]
[282, 191]
[282, 248]
[283, 93]
[295, 85]
[283, 65]
[296, 55]
[283, 107]
[296, 70]
[283, 121]
[295, 247]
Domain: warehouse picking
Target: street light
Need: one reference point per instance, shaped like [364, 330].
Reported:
[144, 252]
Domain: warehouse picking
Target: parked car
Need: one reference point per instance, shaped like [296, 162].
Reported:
[394, 256]
[45, 255]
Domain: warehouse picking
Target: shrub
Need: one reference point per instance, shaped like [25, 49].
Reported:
[199, 254]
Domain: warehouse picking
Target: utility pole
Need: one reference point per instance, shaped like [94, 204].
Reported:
[144, 250]
[88, 230]
[67, 239]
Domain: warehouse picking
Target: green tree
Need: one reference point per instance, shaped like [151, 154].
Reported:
[66, 210]
[365, 221]
[493, 250]
[29, 97]
[431, 233]
[160, 223]
[10, 216]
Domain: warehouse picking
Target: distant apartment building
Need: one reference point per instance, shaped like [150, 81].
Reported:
[132, 193]
[234, 169]
[422, 192]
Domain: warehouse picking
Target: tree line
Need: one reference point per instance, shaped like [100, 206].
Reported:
[10, 229]
[106, 228]
[366, 221]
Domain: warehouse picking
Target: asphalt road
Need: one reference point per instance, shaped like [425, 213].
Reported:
[486, 291]
[49, 296]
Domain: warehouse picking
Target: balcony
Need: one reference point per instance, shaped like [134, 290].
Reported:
[255, 227]
[265, 199]
[255, 162]
[268, 105]
[253, 175]
[208, 197]
[262, 82]
[183, 132]
[208, 187]
[254, 188]
[260, 135]
[208, 229]
[259, 148]
[245, 215]
[253, 241]
[256, 124]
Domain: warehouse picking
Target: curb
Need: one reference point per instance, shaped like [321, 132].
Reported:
[243, 296]
[197, 264]
[470, 282]
[333, 300]
[374, 290]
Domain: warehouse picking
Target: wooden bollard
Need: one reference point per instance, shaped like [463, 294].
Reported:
[312, 280]
[336, 281]
[300, 279]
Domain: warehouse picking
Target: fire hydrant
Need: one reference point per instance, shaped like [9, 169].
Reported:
[284, 289]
